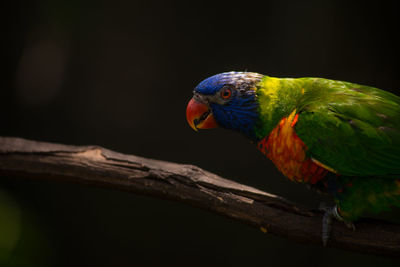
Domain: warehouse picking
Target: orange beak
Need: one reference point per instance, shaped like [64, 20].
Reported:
[199, 116]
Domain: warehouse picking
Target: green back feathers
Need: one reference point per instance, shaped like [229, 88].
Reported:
[351, 128]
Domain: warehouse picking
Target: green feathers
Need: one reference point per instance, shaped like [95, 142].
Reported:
[367, 195]
[277, 99]
[349, 128]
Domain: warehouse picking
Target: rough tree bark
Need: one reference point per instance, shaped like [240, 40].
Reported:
[96, 166]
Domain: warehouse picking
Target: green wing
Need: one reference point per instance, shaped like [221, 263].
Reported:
[351, 128]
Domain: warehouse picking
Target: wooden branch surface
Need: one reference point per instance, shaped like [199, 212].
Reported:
[93, 165]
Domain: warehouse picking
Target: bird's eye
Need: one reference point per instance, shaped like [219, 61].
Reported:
[226, 93]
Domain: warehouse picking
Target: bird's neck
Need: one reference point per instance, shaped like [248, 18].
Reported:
[277, 98]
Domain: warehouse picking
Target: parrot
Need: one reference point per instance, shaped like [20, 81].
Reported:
[337, 137]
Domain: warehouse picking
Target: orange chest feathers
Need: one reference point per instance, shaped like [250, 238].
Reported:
[288, 152]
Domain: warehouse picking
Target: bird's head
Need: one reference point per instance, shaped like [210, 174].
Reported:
[228, 100]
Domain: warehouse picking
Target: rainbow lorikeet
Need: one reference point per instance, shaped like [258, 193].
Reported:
[339, 137]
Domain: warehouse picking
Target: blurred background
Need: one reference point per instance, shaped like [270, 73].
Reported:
[119, 74]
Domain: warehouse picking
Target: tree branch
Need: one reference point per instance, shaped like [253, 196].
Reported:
[97, 166]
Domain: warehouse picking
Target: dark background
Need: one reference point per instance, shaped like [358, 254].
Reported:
[119, 74]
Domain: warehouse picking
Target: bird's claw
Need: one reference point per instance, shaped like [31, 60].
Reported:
[326, 227]
[330, 213]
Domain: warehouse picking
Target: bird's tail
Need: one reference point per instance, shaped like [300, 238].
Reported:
[363, 195]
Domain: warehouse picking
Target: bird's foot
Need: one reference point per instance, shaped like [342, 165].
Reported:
[330, 213]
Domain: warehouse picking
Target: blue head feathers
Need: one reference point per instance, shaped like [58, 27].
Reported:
[232, 99]
[214, 83]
